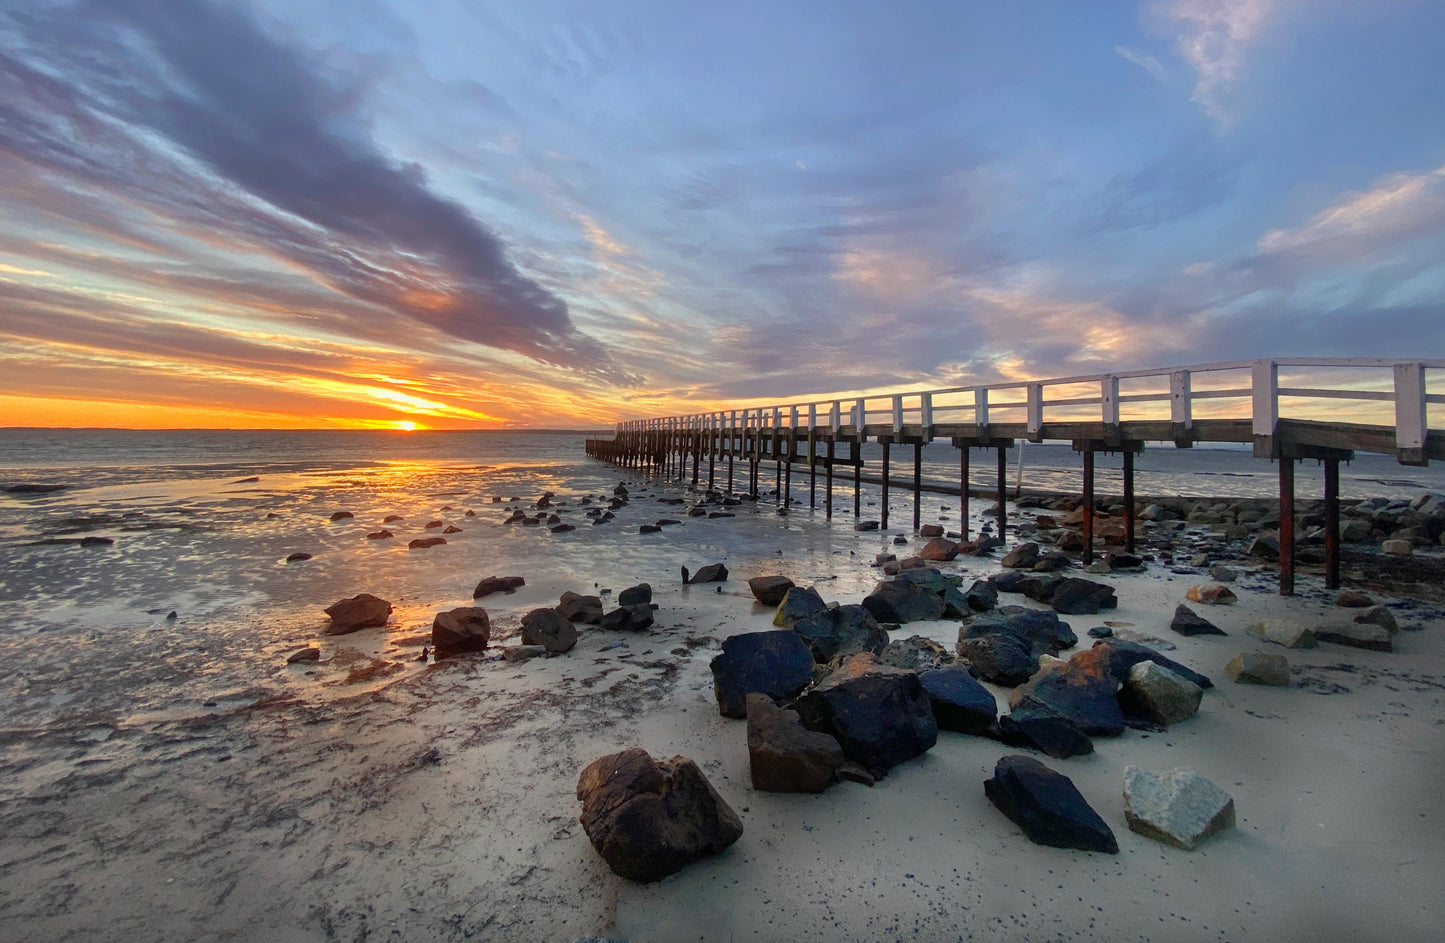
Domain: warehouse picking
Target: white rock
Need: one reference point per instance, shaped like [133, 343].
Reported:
[1284, 632]
[1162, 695]
[1178, 807]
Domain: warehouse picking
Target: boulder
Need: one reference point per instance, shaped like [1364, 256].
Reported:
[1042, 630]
[881, 716]
[632, 595]
[290, 558]
[1078, 597]
[1376, 638]
[1178, 807]
[461, 630]
[1284, 632]
[1159, 695]
[1351, 599]
[382, 534]
[1043, 730]
[1378, 615]
[903, 601]
[498, 584]
[359, 612]
[1211, 594]
[550, 629]
[1398, 548]
[342, 515]
[981, 596]
[960, 704]
[1188, 622]
[649, 818]
[422, 543]
[712, 573]
[1022, 557]
[575, 607]
[777, 664]
[632, 618]
[843, 630]
[785, 756]
[798, 603]
[999, 658]
[1047, 806]
[939, 549]
[1222, 574]
[1040, 587]
[1116, 656]
[1086, 694]
[304, 655]
[930, 530]
[916, 653]
[1264, 547]
[1259, 668]
[1119, 560]
[770, 590]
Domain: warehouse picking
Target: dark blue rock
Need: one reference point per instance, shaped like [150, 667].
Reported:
[777, 664]
[881, 716]
[960, 704]
[845, 630]
[1047, 806]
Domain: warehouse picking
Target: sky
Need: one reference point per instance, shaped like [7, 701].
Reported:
[469, 214]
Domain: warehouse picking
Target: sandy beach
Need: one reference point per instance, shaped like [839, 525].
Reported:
[373, 795]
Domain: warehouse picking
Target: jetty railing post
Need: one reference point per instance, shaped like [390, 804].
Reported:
[828, 492]
[812, 455]
[887, 441]
[1088, 521]
[712, 436]
[1332, 523]
[1411, 428]
[1128, 501]
[1002, 491]
[1264, 389]
[1286, 526]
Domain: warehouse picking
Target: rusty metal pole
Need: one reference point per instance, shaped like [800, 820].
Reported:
[812, 468]
[855, 452]
[963, 491]
[1332, 523]
[1286, 527]
[788, 474]
[886, 443]
[1128, 502]
[1002, 491]
[917, 484]
[828, 488]
[1088, 521]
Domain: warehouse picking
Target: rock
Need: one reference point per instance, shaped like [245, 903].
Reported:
[712, 573]
[632, 618]
[650, 818]
[1284, 632]
[1054, 561]
[1159, 695]
[881, 716]
[1222, 574]
[1211, 594]
[1043, 730]
[960, 704]
[550, 629]
[939, 548]
[1001, 659]
[1399, 548]
[633, 595]
[798, 603]
[843, 630]
[422, 543]
[516, 654]
[981, 596]
[431, 524]
[651, 529]
[108, 541]
[1101, 631]
[1086, 694]
[342, 515]
[1098, 568]
[359, 612]
[558, 529]
[1265, 547]
[1082, 597]
[1047, 806]
[1378, 615]
[1188, 622]
[392, 517]
[930, 530]
[382, 534]
[785, 756]
[1351, 599]
[1259, 668]
[777, 664]
[916, 653]
[1178, 807]
[865, 525]
[309, 654]
[1143, 638]
[1041, 630]
[1355, 531]
[1022, 557]
[455, 631]
[770, 590]
[903, 601]
[1040, 587]
[1376, 638]
[452, 529]
[1116, 656]
[295, 557]
[498, 584]
[575, 607]
[1119, 560]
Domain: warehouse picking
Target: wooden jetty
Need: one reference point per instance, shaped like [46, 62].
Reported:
[1235, 402]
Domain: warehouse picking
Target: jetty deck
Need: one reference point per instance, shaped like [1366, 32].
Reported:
[1326, 410]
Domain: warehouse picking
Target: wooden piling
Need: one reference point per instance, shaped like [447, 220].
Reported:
[1332, 523]
[963, 491]
[1128, 501]
[1286, 526]
[1088, 522]
[828, 492]
[1002, 491]
[855, 453]
[812, 469]
[884, 512]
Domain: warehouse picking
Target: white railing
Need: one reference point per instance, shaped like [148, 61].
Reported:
[1209, 390]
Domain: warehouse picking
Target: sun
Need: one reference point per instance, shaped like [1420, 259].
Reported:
[406, 425]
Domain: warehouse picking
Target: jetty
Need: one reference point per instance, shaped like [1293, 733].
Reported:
[1349, 405]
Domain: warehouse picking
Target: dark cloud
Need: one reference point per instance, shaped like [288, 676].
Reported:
[1195, 174]
[225, 133]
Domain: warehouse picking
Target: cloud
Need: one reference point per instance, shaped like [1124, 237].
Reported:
[190, 114]
[1144, 61]
[1397, 208]
[1193, 175]
[1214, 39]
